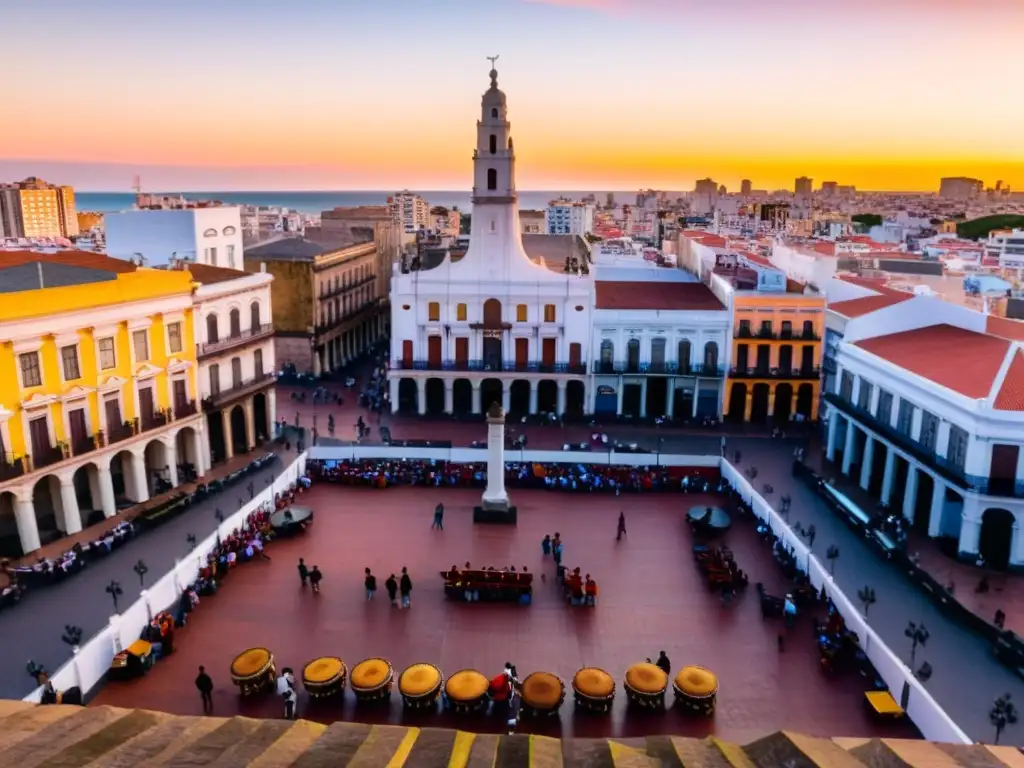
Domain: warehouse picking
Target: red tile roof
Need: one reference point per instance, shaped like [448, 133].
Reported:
[613, 294]
[1011, 393]
[757, 258]
[856, 307]
[73, 258]
[963, 361]
[712, 241]
[1005, 327]
[207, 275]
[825, 249]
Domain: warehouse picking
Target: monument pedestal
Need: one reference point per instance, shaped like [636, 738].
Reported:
[495, 506]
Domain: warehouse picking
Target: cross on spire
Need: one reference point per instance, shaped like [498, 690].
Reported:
[494, 71]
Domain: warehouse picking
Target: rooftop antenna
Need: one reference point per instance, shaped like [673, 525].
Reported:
[137, 184]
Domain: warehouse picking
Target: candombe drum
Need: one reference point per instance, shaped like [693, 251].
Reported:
[371, 681]
[542, 694]
[324, 677]
[645, 685]
[420, 685]
[253, 671]
[593, 689]
[466, 691]
[696, 689]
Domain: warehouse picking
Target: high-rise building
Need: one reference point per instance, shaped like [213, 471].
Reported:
[411, 211]
[746, 186]
[33, 208]
[960, 188]
[829, 188]
[804, 186]
[565, 217]
[66, 212]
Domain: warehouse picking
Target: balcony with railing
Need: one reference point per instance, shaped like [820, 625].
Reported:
[49, 456]
[87, 444]
[485, 366]
[765, 334]
[11, 467]
[247, 336]
[341, 289]
[666, 369]
[155, 420]
[185, 408]
[123, 431]
[952, 472]
[350, 315]
[763, 372]
[242, 389]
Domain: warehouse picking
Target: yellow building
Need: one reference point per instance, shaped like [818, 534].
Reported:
[98, 391]
[775, 373]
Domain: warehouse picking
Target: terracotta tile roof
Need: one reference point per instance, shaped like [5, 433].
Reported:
[712, 241]
[962, 361]
[207, 275]
[1011, 393]
[825, 249]
[757, 258]
[856, 307]
[1005, 327]
[72, 258]
[612, 294]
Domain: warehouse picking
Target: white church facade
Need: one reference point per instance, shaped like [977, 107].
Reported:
[504, 323]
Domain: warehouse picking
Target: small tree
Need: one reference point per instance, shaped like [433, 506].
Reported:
[1002, 714]
[832, 554]
[72, 635]
[918, 636]
[115, 591]
[141, 569]
[867, 598]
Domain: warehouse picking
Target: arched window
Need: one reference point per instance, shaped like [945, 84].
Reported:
[235, 322]
[633, 355]
[214, 380]
[710, 357]
[236, 371]
[494, 144]
[492, 313]
[494, 112]
[492, 179]
[211, 329]
[808, 329]
[607, 356]
[254, 316]
[683, 355]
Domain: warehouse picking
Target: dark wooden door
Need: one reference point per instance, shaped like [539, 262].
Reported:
[181, 393]
[112, 410]
[40, 436]
[575, 354]
[434, 352]
[1003, 468]
[462, 350]
[146, 409]
[79, 431]
[407, 354]
[522, 354]
[548, 352]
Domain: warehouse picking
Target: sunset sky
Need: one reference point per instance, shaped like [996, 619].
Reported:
[603, 94]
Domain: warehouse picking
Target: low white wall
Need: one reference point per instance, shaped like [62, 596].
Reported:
[88, 666]
[928, 716]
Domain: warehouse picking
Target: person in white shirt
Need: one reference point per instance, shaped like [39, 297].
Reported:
[286, 688]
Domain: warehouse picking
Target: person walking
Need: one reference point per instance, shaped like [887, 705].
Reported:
[405, 587]
[545, 545]
[370, 582]
[622, 526]
[391, 585]
[438, 518]
[314, 579]
[303, 572]
[204, 684]
[286, 689]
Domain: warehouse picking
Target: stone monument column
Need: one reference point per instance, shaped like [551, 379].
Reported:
[495, 496]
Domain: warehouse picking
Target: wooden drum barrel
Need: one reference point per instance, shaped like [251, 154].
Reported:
[253, 671]
[420, 685]
[593, 689]
[542, 694]
[324, 677]
[466, 691]
[645, 685]
[371, 680]
[696, 690]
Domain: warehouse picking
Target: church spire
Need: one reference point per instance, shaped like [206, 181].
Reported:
[494, 70]
[494, 158]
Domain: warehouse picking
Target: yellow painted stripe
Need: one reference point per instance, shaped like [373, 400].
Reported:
[545, 752]
[402, 753]
[461, 749]
[291, 746]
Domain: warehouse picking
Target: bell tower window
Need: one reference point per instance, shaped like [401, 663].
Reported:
[492, 179]
[494, 143]
[494, 112]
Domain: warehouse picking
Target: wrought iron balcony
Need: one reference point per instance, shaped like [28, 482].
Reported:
[351, 314]
[760, 372]
[122, 431]
[782, 335]
[48, 456]
[484, 366]
[237, 340]
[668, 369]
[155, 420]
[237, 391]
[87, 444]
[11, 467]
[346, 288]
[185, 408]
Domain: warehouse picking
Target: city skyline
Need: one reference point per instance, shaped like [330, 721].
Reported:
[603, 94]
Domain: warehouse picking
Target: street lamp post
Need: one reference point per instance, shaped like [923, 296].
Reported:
[1002, 714]
[832, 554]
[141, 569]
[867, 598]
[114, 590]
[918, 636]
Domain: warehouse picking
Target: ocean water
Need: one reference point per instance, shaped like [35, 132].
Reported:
[316, 202]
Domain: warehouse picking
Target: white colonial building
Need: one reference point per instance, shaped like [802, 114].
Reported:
[235, 352]
[504, 323]
[211, 235]
[926, 413]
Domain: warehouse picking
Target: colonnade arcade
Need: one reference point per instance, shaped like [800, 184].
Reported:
[238, 428]
[966, 523]
[437, 395]
[47, 506]
[760, 402]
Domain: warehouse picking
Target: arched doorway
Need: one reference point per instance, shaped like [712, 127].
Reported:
[186, 444]
[462, 396]
[805, 400]
[737, 402]
[46, 500]
[408, 396]
[157, 470]
[759, 404]
[783, 403]
[239, 440]
[123, 479]
[519, 397]
[87, 491]
[710, 358]
[435, 397]
[575, 399]
[490, 393]
[10, 539]
[996, 538]
[493, 332]
[682, 404]
[547, 397]
[259, 416]
[218, 442]
[657, 397]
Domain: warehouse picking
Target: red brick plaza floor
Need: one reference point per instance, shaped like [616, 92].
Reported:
[652, 598]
